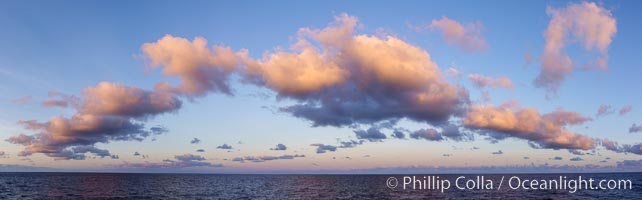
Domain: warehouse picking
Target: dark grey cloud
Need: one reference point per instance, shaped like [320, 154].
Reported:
[350, 143]
[453, 132]
[635, 128]
[398, 134]
[195, 141]
[189, 157]
[576, 152]
[323, 148]
[499, 152]
[372, 134]
[200, 150]
[557, 158]
[279, 147]
[576, 159]
[427, 134]
[224, 146]
[181, 161]
[635, 164]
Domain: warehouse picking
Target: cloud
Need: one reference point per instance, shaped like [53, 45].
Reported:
[199, 68]
[22, 100]
[372, 134]
[635, 128]
[624, 148]
[546, 131]
[576, 152]
[604, 110]
[635, 164]
[610, 145]
[55, 103]
[182, 161]
[62, 100]
[344, 79]
[224, 146]
[266, 158]
[585, 22]
[136, 153]
[350, 144]
[200, 150]
[195, 141]
[528, 58]
[91, 149]
[453, 132]
[557, 158]
[449, 131]
[427, 134]
[453, 72]
[526, 157]
[323, 148]
[107, 112]
[481, 81]
[465, 36]
[625, 109]
[279, 147]
[120, 100]
[576, 159]
[500, 152]
[398, 134]
[189, 157]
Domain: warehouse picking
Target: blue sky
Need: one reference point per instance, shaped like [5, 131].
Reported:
[69, 46]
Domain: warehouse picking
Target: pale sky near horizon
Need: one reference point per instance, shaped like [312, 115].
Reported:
[467, 84]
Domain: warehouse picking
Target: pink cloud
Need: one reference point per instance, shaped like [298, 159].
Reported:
[625, 109]
[481, 81]
[587, 23]
[465, 36]
[55, 103]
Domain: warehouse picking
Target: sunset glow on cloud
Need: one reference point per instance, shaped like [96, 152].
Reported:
[329, 90]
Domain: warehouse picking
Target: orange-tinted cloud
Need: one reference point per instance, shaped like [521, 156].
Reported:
[349, 78]
[200, 68]
[547, 131]
[107, 112]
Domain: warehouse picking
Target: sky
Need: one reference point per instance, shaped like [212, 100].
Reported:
[320, 87]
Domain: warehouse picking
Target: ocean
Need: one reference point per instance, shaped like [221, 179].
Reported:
[224, 186]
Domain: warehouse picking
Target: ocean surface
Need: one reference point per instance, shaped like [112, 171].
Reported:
[215, 186]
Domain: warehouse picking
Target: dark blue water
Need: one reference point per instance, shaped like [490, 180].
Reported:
[205, 186]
